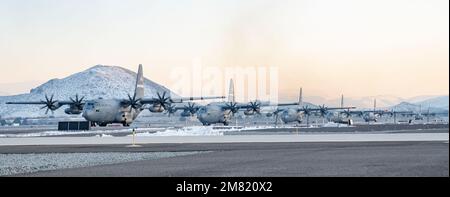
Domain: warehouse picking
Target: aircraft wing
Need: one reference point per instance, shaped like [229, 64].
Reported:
[183, 99]
[283, 104]
[41, 103]
[49, 101]
[401, 112]
[434, 113]
[177, 100]
[53, 105]
[337, 108]
[252, 104]
[190, 106]
[329, 108]
[26, 103]
[256, 105]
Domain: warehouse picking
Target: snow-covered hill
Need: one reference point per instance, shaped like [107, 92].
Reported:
[387, 101]
[438, 102]
[405, 106]
[367, 102]
[98, 81]
[435, 104]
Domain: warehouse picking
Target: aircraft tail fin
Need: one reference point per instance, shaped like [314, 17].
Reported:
[342, 101]
[300, 97]
[231, 92]
[139, 89]
[374, 104]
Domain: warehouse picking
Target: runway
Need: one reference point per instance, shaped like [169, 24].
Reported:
[267, 159]
[413, 152]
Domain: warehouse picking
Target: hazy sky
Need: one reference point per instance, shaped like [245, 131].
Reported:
[356, 47]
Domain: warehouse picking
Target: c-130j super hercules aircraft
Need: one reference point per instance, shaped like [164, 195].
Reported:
[106, 111]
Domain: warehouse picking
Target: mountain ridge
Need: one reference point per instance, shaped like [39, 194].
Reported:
[98, 81]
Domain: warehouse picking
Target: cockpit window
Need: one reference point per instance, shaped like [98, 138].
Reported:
[89, 105]
[202, 109]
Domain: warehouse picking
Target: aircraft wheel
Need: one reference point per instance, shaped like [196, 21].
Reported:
[103, 124]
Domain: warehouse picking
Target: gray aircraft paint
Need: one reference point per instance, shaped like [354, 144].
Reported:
[214, 113]
[291, 115]
[297, 113]
[124, 111]
[105, 111]
[219, 112]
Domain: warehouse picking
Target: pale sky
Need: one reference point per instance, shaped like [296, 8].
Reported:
[329, 47]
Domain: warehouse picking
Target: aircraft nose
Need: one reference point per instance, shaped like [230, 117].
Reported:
[86, 114]
[286, 117]
[201, 115]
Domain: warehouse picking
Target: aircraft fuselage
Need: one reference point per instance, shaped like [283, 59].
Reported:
[106, 111]
[212, 114]
[291, 115]
[370, 117]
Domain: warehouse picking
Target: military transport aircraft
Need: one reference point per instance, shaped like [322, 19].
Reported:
[106, 111]
[421, 115]
[296, 114]
[368, 115]
[373, 115]
[222, 112]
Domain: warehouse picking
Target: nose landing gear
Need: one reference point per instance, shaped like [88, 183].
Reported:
[125, 124]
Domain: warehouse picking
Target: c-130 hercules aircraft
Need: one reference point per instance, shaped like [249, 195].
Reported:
[106, 111]
[222, 112]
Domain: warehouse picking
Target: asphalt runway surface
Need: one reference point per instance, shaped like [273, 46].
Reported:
[266, 159]
[374, 152]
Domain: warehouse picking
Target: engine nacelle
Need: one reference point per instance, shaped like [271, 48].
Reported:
[71, 111]
[156, 109]
[186, 114]
[55, 106]
[249, 112]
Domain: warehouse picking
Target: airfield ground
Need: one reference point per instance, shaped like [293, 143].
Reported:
[411, 150]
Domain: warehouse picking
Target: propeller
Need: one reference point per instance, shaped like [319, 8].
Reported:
[50, 104]
[171, 109]
[133, 102]
[256, 107]
[232, 106]
[77, 102]
[347, 113]
[306, 110]
[163, 100]
[323, 110]
[361, 114]
[191, 108]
